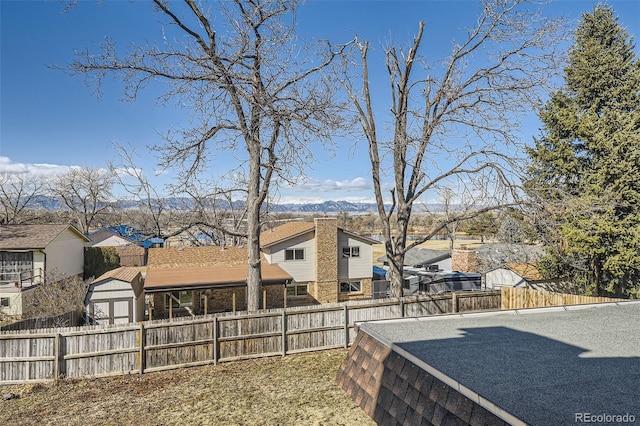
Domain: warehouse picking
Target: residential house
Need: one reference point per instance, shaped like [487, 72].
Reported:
[328, 264]
[30, 252]
[302, 263]
[116, 297]
[131, 244]
[200, 280]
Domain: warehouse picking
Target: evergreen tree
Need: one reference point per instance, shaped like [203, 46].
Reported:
[586, 165]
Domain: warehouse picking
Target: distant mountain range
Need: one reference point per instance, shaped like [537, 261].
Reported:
[177, 203]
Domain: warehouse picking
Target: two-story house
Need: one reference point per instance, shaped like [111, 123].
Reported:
[328, 264]
[303, 263]
[28, 253]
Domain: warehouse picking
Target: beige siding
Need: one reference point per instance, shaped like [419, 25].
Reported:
[38, 265]
[354, 267]
[15, 303]
[300, 270]
[65, 254]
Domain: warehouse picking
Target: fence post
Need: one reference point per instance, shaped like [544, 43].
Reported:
[454, 302]
[401, 307]
[142, 341]
[346, 326]
[214, 331]
[59, 368]
[284, 333]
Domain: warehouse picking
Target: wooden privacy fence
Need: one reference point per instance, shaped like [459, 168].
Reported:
[93, 351]
[521, 298]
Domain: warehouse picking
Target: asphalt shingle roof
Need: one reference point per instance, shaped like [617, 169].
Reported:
[202, 267]
[25, 237]
[284, 232]
[541, 366]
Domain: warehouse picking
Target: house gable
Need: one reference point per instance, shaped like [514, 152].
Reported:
[33, 237]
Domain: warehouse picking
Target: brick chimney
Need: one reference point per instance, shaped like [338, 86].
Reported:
[464, 260]
[326, 260]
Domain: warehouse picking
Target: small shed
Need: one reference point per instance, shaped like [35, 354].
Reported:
[116, 297]
[514, 274]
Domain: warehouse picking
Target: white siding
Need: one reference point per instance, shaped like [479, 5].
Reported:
[354, 267]
[109, 241]
[300, 270]
[65, 254]
[503, 277]
[114, 298]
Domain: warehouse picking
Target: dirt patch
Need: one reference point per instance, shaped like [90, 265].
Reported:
[294, 390]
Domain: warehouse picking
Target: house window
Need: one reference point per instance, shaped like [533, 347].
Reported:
[4, 302]
[350, 287]
[294, 254]
[297, 290]
[350, 251]
[179, 299]
[15, 265]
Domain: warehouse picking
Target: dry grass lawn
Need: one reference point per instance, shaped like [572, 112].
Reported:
[294, 390]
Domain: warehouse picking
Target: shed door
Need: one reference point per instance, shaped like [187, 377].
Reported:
[112, 311]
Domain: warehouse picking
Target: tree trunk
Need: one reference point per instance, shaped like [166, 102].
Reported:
[254, 275]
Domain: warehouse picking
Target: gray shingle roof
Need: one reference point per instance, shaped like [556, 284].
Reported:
[418, 255]
[541, 366]
[25, 237]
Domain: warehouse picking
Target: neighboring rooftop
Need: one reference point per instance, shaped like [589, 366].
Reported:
[537, 366]
[421, 256]
[204, 267]
[25, 237]
[284, 232]
[170, 257]
[131, 234]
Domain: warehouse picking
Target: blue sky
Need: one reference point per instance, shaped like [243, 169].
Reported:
[50, 121]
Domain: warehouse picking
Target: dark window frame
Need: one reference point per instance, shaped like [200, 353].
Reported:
[294, 254]
[347, 287]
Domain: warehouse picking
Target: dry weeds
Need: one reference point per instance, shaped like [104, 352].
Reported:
[294, 390]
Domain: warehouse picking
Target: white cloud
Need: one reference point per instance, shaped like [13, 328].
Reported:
[42, 169]
[330, 185]
[128, 171]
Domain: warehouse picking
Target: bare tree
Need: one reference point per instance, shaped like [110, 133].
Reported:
[152, 215]
[19, 194]
[251, 88]
[56, 295]
[448, 120]
[86, 192]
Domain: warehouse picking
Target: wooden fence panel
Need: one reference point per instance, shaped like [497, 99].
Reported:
[158, 345]
[26, 358]
[249, 336]
[419, 306]
[308, 329]
[522, 298]
[178, 344]
[100, 352]
[478, 301]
